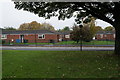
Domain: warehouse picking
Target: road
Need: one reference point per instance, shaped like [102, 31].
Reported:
[58, 48]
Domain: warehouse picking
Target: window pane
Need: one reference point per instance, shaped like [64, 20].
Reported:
[3, 36]
[67, 36]
[41, 36]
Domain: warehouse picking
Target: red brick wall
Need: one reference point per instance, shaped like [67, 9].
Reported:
[105, 37]
[31, 38]
[66, 39]
[48, 37]
[10, 37]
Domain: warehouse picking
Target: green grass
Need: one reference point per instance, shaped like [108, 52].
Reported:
[89, 43]
[74, 43]
[59, 64]
[100, 43]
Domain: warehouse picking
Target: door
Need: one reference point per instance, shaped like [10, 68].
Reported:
[22, 38]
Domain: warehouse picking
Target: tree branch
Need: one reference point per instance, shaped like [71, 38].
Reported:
[93, 12]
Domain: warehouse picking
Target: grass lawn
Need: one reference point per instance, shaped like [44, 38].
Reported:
[89, 43]
[74, 43]
[59, 64]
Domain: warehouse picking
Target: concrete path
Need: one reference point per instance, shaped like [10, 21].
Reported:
[58, 48]
[59, 45]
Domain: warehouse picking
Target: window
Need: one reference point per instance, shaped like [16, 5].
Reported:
[67, 36]
[114, 35]
[3, 36]
[101, 35]
[41, 36]
[105, 35]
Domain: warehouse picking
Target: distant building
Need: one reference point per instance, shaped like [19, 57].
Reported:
[64, 35]
[105, 35]
[46, 36]
[30, 36]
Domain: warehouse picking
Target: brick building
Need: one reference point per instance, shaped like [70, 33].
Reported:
[105, 35]
[33, 36]
[30, 36]
[46, 36]
[64, 35]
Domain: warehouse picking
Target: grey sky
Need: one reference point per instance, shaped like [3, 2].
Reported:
[9, 16]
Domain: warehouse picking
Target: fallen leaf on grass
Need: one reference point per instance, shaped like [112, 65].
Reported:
[99, 68]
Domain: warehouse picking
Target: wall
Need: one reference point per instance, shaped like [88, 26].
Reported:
[105, 37]
[10, 37]
[32, 38]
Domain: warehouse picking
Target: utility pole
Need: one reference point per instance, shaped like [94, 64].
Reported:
[80, 37]
[81, 26]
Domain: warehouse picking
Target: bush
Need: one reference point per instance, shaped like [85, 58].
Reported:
[87, 40]
[52, 41]
[3, 41]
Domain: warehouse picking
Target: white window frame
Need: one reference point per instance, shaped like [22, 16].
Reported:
[5, 36]
[41, 35]
[67, 36]
[105, 35]
[101, 35]
[114, 35]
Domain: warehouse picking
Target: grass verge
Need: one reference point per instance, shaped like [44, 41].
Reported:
[59, 64]
[72, 43]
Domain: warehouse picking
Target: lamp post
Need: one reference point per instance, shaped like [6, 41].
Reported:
[80, 37]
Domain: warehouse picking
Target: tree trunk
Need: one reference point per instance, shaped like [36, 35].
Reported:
[117, 40]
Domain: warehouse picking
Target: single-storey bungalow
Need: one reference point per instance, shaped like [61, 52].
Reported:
[105, 35]
[46, 36]
[30, 36]
[64, 35]
[33, 36]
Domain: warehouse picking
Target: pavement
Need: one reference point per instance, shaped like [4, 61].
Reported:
[49, 48]
[58, 45]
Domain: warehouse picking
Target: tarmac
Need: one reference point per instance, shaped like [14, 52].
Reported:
[49, 48]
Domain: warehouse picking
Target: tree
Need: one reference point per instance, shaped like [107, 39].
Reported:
[98, 28]
[24, 26]
[30, 26]
[88, 31]
[75, 33]
[106, 11]
[47, 26]
[66, 28]
[109, 28]
[92, 28]
[9, 28]
[36, 26]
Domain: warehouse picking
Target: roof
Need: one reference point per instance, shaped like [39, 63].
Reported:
[27, 32]
[63, 32]
[47, 32]
[105, 32]
[34, 32]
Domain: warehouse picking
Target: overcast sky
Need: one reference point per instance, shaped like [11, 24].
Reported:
[11, 17]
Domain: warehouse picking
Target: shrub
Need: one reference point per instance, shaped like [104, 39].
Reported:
[3, 41]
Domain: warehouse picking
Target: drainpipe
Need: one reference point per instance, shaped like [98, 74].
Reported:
[35, 40]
